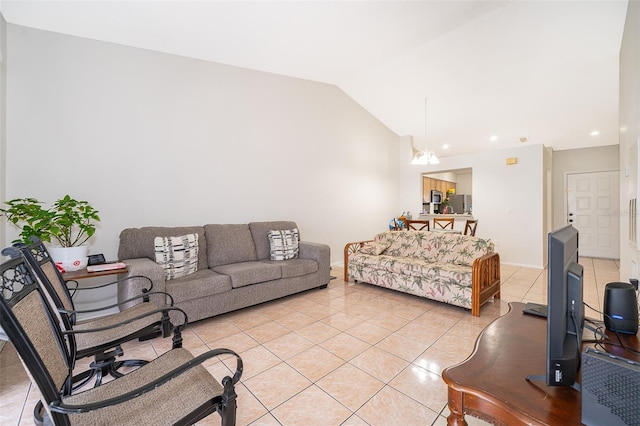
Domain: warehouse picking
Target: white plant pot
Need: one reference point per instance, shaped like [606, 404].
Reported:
[70, 258]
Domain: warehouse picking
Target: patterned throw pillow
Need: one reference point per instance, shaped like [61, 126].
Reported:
[177, 255]
[375, 248]
[283, 244]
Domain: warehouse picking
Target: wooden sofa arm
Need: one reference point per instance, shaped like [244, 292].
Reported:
[485, 281]
[349, 249]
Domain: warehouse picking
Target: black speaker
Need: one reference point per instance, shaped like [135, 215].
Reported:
[610, 390]
[620, 308]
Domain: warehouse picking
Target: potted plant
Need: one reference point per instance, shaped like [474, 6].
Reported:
[445, 205]
[68, 222]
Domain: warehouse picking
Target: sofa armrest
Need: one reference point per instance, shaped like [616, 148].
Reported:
[319, 252]
[485, 281]
[142, 267]
[351, 248]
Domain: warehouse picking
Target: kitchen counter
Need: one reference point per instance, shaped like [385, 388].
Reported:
[464, 216]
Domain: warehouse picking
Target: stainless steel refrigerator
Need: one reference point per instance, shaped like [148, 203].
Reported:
[460, 203]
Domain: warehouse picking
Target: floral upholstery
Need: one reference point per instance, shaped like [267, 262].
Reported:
[434, 265]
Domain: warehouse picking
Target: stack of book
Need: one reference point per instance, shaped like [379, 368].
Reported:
[110, 266]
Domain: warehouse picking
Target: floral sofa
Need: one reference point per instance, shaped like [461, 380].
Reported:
[460, 270]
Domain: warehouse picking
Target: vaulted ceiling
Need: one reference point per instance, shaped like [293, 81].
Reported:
[491, 72]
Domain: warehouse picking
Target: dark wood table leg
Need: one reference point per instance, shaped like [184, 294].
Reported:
[455, 403]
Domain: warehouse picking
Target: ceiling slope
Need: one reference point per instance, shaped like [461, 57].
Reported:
[501, 70]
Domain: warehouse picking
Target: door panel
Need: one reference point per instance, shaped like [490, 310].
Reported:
[592, 201]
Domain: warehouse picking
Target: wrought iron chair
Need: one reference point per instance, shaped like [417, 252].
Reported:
[174, 388]
[470, 227]
[100, 337]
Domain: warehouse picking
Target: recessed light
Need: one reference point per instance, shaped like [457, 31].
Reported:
[524, 139]
[594, 133]
[493, 138]
[445, 146]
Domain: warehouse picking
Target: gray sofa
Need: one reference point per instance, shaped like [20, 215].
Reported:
[234, 267]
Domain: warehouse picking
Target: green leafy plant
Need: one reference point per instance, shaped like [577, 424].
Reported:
[68, 221]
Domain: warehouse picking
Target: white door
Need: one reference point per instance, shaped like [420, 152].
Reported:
[592, 208]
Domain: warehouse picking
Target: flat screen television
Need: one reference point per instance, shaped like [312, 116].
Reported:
[565, 310]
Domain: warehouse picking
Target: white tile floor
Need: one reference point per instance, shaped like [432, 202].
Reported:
[351, 354]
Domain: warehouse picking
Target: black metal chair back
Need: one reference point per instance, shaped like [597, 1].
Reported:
[56, 305]
[175, 388]
[28, 323]
[99, 337]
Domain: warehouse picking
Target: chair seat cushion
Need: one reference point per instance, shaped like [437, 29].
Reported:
[167, 404]
[247, 273]
[91, 340]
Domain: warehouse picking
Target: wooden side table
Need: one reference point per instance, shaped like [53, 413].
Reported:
[82, 274]
[491, 384]
[98, 297]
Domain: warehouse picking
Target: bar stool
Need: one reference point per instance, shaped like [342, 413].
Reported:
[420, 225]
[443, 223]
[470, 227]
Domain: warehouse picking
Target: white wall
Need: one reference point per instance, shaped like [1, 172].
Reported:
[3, 122]
[508, 201]
[464, 183]
[3, 119]
[629, 134]
[156, 139]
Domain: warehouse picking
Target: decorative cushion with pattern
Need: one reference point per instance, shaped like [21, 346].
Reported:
[373, 247]
[283, 244]
[177, 255]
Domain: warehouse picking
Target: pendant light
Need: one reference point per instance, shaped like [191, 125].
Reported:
[427, 156]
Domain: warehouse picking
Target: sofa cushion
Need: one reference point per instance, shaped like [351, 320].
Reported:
[247, 273]
[260, 234]
[200, 284]
[417, 244]
[463, 249]
[139, 242]
[386, 263]
[389, 267]
[295, 267]
[283, 244]
[229, 244]
[177, 255]
[435, 246]
[441, 284]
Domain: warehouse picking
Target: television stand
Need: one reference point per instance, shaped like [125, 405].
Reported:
[491, 384]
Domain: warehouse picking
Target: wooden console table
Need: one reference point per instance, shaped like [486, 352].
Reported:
[491, 384]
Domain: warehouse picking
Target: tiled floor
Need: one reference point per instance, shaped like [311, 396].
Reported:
[351, 354]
